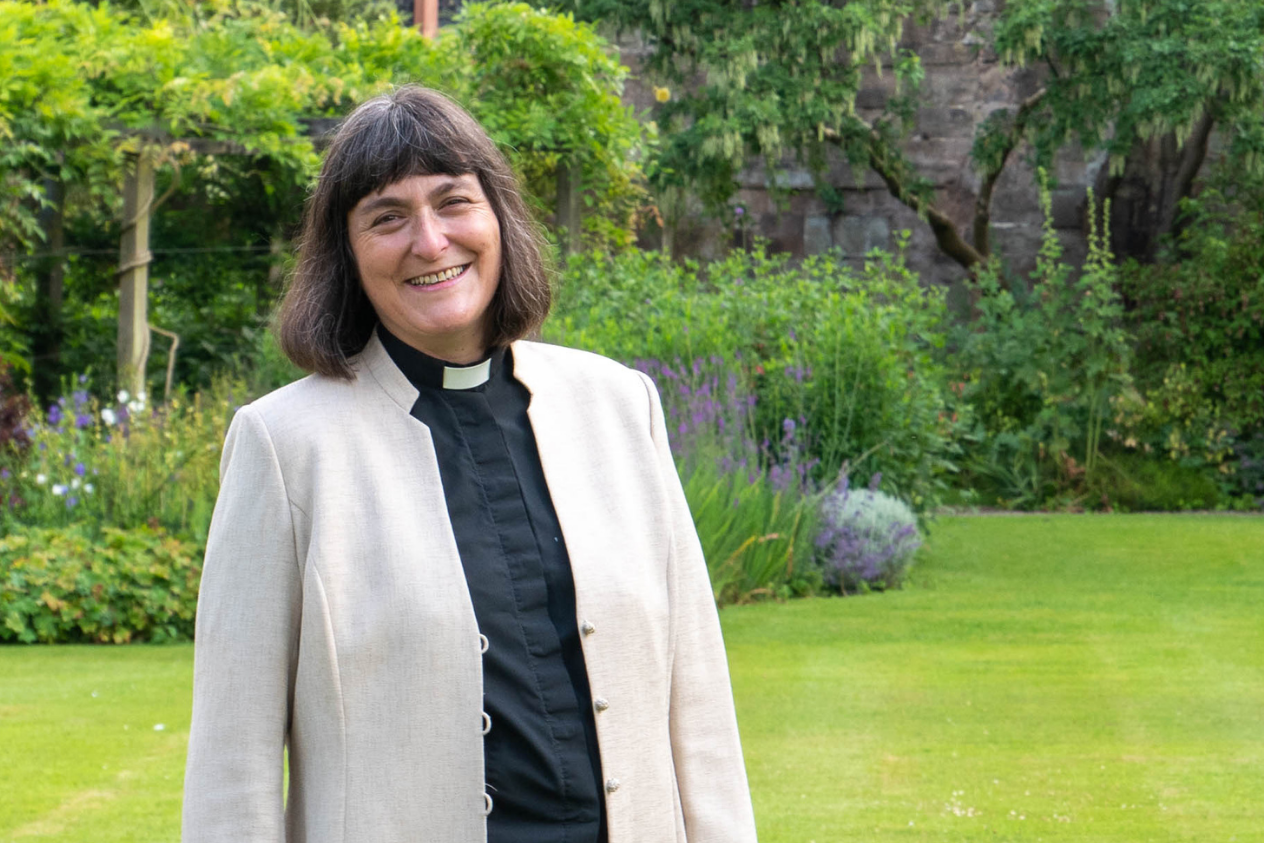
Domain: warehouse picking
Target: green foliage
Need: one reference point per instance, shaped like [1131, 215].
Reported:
[60, 585]
[757, 539]
[847, 356]
[1129, 71]
[1042, 373]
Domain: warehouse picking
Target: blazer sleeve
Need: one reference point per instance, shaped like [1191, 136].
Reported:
[706, 747]
[245, 649]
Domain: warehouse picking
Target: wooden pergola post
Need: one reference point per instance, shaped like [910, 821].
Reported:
[426, 17]
[134, 260]
[569, 190]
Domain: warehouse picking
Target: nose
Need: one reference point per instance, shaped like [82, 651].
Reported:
[429, 238]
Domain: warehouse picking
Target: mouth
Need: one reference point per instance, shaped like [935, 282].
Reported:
[437, 277]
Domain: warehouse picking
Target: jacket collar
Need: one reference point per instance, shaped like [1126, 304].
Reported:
[529, 370]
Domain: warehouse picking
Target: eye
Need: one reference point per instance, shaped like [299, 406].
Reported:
[389, 216]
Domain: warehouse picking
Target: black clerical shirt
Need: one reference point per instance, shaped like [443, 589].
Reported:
[542, 764]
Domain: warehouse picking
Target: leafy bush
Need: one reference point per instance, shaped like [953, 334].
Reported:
[1041, 371]
[867, 538]
[846, 355]
[59, 585]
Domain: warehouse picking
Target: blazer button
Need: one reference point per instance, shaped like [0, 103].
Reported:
[612, 785]
[587, 628]
[487, 722]
[483, 643]
[601, 704]
[487, 803]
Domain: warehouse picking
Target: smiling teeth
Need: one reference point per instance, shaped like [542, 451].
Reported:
[428, 280]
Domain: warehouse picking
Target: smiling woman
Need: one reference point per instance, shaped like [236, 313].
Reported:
[428, 250]
[451, 576]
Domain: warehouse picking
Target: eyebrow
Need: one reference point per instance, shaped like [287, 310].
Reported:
[373, 205]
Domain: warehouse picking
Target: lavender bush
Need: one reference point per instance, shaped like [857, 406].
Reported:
[751, 502]
[867, 538]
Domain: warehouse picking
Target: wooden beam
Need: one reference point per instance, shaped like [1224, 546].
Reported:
[134, 260]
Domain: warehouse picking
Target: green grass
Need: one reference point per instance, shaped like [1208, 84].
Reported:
[1066, 678]
[1101, 677]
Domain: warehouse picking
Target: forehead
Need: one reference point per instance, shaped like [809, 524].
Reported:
[416, 188]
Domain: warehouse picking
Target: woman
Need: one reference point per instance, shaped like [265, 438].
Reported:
[452, 573]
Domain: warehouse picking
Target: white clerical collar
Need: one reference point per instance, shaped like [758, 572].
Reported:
[467, 377]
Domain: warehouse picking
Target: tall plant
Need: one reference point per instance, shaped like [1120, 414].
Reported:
[1041, 369]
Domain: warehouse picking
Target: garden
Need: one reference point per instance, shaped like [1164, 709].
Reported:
[987, 560]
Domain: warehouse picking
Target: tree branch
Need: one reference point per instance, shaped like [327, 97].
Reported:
[893, 171]
[983, 202]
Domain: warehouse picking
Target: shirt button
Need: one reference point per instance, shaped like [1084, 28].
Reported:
[601, 704]
[587, 628]
[612, 785]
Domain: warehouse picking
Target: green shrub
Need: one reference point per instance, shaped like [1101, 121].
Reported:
[59, 585]
[845, 354]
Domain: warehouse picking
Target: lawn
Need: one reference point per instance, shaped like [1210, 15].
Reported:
[1043, 678]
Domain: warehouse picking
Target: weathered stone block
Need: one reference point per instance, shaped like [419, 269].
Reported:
[816, 235]
[857, 235]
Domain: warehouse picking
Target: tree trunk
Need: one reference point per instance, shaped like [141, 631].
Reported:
[1145, 198]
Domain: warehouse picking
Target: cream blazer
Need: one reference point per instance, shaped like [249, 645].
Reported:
[334, 620]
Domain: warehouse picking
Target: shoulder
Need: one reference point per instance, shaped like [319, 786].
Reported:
[570, 368]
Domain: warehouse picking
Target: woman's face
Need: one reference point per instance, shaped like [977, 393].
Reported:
[428, 252]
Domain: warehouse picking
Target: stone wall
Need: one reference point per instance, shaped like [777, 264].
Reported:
[964, 83]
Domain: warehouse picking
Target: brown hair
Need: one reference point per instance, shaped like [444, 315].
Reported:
[325, 317]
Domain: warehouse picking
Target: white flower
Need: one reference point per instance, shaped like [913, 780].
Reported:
[74, 484]
[123, 396]
[87, 488]
[59, 489]
[158, 727]
[136, 406]
[41, 479]
[108, 416]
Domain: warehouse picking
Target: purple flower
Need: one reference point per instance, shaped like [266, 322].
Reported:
[71, 502]
[875, 481]
[83, 420]
[4, 474]
[54, 415]
[739, 211]
[80, 469]
[83, 379]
